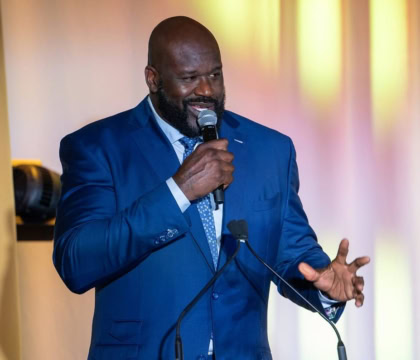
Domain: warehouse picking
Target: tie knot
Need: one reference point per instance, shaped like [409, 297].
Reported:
[189, 144]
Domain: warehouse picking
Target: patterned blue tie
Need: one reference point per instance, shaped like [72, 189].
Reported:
[203, 205]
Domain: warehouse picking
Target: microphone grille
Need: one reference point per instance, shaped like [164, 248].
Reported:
[206, 118]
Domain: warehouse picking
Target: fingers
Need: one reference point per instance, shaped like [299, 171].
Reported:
[222, 172]
[358, 283]
[358, 263]
[215, 149]
[219, 144]
[343, 250]
[356, 292]
[349, 289]
[208, 167]
[360, 298]
[309, 272]
[346, 285]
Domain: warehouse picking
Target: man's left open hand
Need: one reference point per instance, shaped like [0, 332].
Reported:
[339, 280]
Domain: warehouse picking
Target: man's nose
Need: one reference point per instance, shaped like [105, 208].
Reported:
[204, 87]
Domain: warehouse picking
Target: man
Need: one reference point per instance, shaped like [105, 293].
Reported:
[140, 228]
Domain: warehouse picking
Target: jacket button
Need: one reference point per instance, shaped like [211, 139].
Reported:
[215, 295]
[170, 233]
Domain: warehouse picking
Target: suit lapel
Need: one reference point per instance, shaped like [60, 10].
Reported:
[199, 235]
[235, 195]
[153, 143]
[163, 161]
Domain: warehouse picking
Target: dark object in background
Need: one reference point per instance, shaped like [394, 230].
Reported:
[37, 191]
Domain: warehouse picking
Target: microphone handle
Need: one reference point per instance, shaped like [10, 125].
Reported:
[209, 133]
[219, 196]
[341, 349]
[179, 352]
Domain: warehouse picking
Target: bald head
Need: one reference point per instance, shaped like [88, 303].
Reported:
[174, 32]
[184, 73]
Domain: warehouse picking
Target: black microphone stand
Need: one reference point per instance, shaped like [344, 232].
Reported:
[179, 352]
[243, 226]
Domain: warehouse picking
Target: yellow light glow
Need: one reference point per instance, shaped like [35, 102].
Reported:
[246, 28]
[393, 307]
[319, 49]
[17, 162]
[268, 24]
[388, 27]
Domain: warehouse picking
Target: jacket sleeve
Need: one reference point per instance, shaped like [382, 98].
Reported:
[93, 243]
[299, 243]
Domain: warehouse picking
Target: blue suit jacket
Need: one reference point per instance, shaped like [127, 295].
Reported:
[120, 231]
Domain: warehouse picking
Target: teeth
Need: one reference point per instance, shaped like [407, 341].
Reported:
[199, 108]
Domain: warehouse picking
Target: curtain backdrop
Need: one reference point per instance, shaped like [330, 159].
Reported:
[9, 299]
[341, 77]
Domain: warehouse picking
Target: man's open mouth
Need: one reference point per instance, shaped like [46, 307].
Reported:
[195, 108]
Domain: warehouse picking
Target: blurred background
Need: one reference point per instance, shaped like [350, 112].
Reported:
[340, 77]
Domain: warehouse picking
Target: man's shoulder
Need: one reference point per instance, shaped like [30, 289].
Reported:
[114, 126]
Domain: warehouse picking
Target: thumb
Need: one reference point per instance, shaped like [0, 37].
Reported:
[308, 272]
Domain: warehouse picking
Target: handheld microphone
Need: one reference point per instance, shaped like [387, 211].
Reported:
[239, 230]
[207, 120]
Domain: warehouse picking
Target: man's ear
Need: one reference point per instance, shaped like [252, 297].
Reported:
[152, 78]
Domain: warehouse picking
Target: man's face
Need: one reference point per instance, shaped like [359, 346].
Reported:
[191, 79]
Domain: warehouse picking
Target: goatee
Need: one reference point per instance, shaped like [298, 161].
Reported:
[178, 117]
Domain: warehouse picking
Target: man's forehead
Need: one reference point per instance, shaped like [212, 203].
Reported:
[187, 53]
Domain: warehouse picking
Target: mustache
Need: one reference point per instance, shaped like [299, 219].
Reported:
[201, 99]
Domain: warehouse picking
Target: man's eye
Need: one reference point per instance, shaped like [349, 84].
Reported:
[189, 78]
[216, 74]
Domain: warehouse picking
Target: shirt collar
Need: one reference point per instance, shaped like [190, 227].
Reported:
[171, 133]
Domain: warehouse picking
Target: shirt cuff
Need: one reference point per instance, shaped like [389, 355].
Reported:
[326, 301]
[328, 305]
[178, 195]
